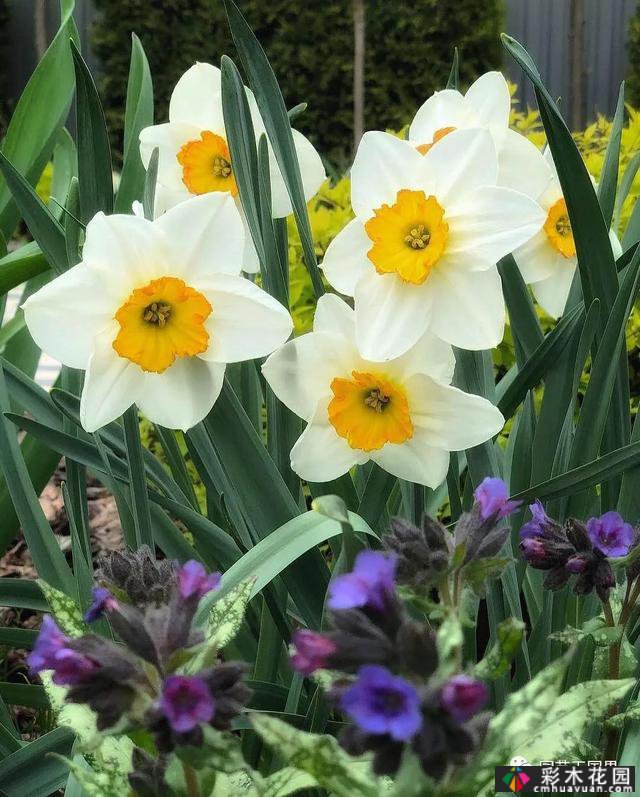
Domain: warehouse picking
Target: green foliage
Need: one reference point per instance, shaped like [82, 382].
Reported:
[633, 50]
[311, 54]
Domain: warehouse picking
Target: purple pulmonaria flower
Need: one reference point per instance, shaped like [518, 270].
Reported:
[186, 702]
[369, 584]
[492, 498]
[312, 651]
[52, 652]
[381, 703]
[463, 696]
[539, 520]
[103, 601]
[50, 641]
[610, 534]
[193, 579]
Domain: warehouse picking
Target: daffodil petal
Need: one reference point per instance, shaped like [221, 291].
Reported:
[459, 163]
[345, 260]
[449, 418]
[168, 138]
[414, 460]
[522, 166]
[443, 109]
[204, 236]
[467, 308]
[183, 395]
[430, 355]
[250, 260]
[112, 384]
[489, 223]
[64, 315]
[383, 165]
[489, 100]
[126, 251]
[311, 170]
[334, 315]
[391, 315]
[245, 322]
[320, 454]
[537, 259]
[303, 369]
[553, 292]
[197, 98]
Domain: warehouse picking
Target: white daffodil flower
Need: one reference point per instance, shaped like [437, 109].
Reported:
[422, 250]
[155, 311]
[486, 106]
[194, 154]
[548, 261]
[402, 414]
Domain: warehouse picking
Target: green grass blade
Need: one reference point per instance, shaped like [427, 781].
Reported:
[41, 111]
[138, 115]
[42, 224]
[32, 771]
[276, 121]
[608, 183]
[94, 153]
[139, 499]
[20, 266]
[47, 556]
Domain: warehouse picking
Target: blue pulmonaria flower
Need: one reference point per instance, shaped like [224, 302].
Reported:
[462, 697]
[610, 534]
[186, 702]
[369, 584]
[52, 651]
[312, 651]
[193, 580]
[382, 703]
[492, 498]
[103, 601]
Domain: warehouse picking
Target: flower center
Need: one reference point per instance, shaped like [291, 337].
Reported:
[369, 411]
[441, 133]
[206, 165]
[409, 237]
[558, 229]
[161, 321]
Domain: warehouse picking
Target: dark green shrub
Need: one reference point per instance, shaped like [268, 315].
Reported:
[633, 48]
[409, 50]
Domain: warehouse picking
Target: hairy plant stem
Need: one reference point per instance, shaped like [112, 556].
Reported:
[191, 780]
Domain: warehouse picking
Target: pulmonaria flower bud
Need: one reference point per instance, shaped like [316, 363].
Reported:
[492, 498]
[103, 601]
[577, 564]
[610, 534]
[463, 697]
[382, 703]
[371, 584]
[194, 581]
[53, 651]
[540, 525]
[186, 702]
[423, 553]
[312, 651]
[139, 575]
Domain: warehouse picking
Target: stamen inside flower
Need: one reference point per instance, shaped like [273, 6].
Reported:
[558, 229]
[409, 237]
[369, 411]
[441, 133]
[206, 165]
[161, 321]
